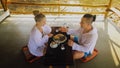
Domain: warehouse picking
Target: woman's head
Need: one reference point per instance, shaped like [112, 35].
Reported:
[36, 12]
[87, 20]
[40, 19]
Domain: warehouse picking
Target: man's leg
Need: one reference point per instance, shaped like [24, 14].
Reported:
[78, 55]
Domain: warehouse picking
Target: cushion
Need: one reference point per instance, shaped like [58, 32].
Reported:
[29, 57]
[92, 56]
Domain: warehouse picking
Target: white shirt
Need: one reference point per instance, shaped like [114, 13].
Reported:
[87, 41]
[37, 42]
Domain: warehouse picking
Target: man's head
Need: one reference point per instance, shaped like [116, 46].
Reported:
[87, 20]
[40, 19]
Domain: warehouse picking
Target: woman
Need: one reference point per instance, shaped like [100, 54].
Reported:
[39, 36]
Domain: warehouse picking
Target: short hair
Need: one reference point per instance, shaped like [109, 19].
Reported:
[90, 17]
[36, 12]
[39, 17]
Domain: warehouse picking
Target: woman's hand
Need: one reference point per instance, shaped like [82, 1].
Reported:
[70, 43]
[50, 35]
[63, 29]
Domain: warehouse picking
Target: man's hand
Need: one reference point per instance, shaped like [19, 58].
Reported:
[63, 29]
[71, 37]
[50, 35]
[70, 43]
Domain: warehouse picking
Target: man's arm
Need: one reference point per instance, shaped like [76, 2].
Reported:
[90, 42]
[69, 31]
[73, 31]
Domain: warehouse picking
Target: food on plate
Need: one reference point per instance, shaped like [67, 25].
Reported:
[60, 38]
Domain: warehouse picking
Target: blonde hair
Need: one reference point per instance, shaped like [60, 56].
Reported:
[36, 12]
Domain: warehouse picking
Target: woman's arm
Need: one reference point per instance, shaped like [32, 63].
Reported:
[39, 40]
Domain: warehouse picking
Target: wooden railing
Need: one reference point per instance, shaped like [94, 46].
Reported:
[115, 16]
[44, 4]
[107, 6]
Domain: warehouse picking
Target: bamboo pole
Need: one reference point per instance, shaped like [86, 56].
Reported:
[60, 12]
[108, 8]
[117, 8]
[4, 4]
[44, 4]
[59, 8]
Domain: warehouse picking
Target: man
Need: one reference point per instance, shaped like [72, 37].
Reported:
[87, 37]
[39, 36]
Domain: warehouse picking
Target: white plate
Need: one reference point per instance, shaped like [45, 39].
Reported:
[55, 45]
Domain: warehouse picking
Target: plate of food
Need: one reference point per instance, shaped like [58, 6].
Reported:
[59, 38]
[53, 45]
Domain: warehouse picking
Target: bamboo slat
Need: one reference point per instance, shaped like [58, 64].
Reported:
[44, 4]
[60, 12]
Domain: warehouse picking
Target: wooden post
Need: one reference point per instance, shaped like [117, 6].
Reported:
[4, 4]
[59, 8]
[108, 8]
